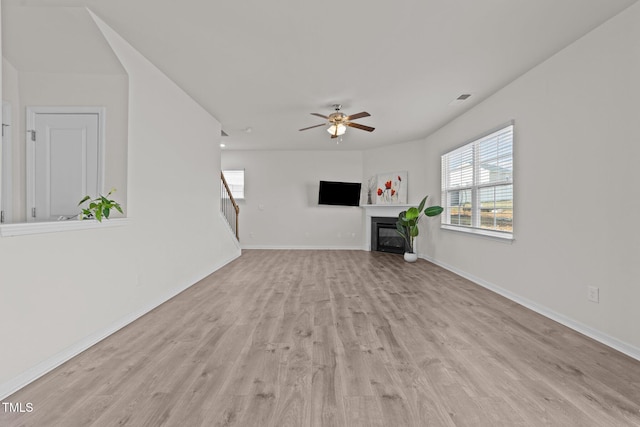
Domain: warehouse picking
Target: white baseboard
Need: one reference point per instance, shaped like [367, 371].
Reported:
[304, 248]
[9, 387]
[599, 336]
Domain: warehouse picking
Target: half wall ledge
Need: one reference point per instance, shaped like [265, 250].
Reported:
[27, 228]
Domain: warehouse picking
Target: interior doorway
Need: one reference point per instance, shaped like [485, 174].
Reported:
[64, 159]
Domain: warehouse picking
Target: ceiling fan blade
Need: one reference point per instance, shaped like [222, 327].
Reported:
[358, 115]
[311, 127]
[320, 115]
[359, 126]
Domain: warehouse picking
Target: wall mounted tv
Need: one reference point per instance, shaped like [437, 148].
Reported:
[339, 193]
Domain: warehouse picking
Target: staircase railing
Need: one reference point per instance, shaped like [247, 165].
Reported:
[228, 206]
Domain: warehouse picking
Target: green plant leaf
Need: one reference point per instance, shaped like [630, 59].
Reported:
[100, 207]
[412, 213]
[421, 205]
[414, 231]
[433, 210]
[402, 219]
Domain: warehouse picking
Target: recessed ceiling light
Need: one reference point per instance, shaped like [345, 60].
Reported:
[222, 145]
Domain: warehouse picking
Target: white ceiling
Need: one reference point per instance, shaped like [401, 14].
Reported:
[46, 40]
[267, 65]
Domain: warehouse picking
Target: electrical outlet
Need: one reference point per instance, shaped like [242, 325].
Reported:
[593, 294]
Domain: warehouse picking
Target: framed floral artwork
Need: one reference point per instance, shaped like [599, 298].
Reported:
[392, 188]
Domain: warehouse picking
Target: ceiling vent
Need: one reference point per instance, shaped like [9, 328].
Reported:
[459, 100]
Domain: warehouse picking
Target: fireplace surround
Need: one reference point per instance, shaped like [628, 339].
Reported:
[385, 237]
[380, 210]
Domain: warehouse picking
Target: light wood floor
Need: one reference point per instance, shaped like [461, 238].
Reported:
[338, 338]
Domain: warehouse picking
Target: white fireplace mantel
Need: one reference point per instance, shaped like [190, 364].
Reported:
[384, 210]
[380, 210]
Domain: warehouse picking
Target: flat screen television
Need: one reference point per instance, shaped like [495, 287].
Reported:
[339, 193]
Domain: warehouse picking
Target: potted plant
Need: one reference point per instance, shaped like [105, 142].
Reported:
[407, 225]
[100, 207]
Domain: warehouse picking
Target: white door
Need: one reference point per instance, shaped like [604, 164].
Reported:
[66, 161]
[5, 164]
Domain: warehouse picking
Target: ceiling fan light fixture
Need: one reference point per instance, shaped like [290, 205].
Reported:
[339, 121]
[337, 129]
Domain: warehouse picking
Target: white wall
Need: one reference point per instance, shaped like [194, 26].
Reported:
[410, 157]
[63, 291]
[281, 208]
[577, 144]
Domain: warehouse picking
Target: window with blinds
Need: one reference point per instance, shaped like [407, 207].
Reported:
[235, 181]
[477, 185]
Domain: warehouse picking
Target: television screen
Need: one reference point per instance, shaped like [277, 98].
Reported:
[339, 193]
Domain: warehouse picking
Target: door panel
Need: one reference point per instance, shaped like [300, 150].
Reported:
[68, 147]
[67, 159]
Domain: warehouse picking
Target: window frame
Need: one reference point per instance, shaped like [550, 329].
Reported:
[476, 186]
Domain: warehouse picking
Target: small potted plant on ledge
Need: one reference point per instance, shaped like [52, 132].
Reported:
[407, 225]
[100, 207]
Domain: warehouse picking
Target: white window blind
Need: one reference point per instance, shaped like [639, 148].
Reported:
[235, 181]
[477, 185]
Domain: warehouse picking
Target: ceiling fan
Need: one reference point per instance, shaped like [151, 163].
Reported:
[339, 121]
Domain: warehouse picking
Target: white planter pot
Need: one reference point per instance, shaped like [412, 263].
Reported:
[410, 257]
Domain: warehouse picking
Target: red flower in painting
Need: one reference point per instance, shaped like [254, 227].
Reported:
[393, 192]
[379, 191]
[387, 185]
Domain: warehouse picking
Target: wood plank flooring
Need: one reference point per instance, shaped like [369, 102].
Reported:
[337, 338]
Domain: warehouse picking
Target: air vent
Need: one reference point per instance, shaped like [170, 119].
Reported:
[459, 100]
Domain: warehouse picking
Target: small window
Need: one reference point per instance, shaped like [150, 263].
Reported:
[477, 185]
[235, 181]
